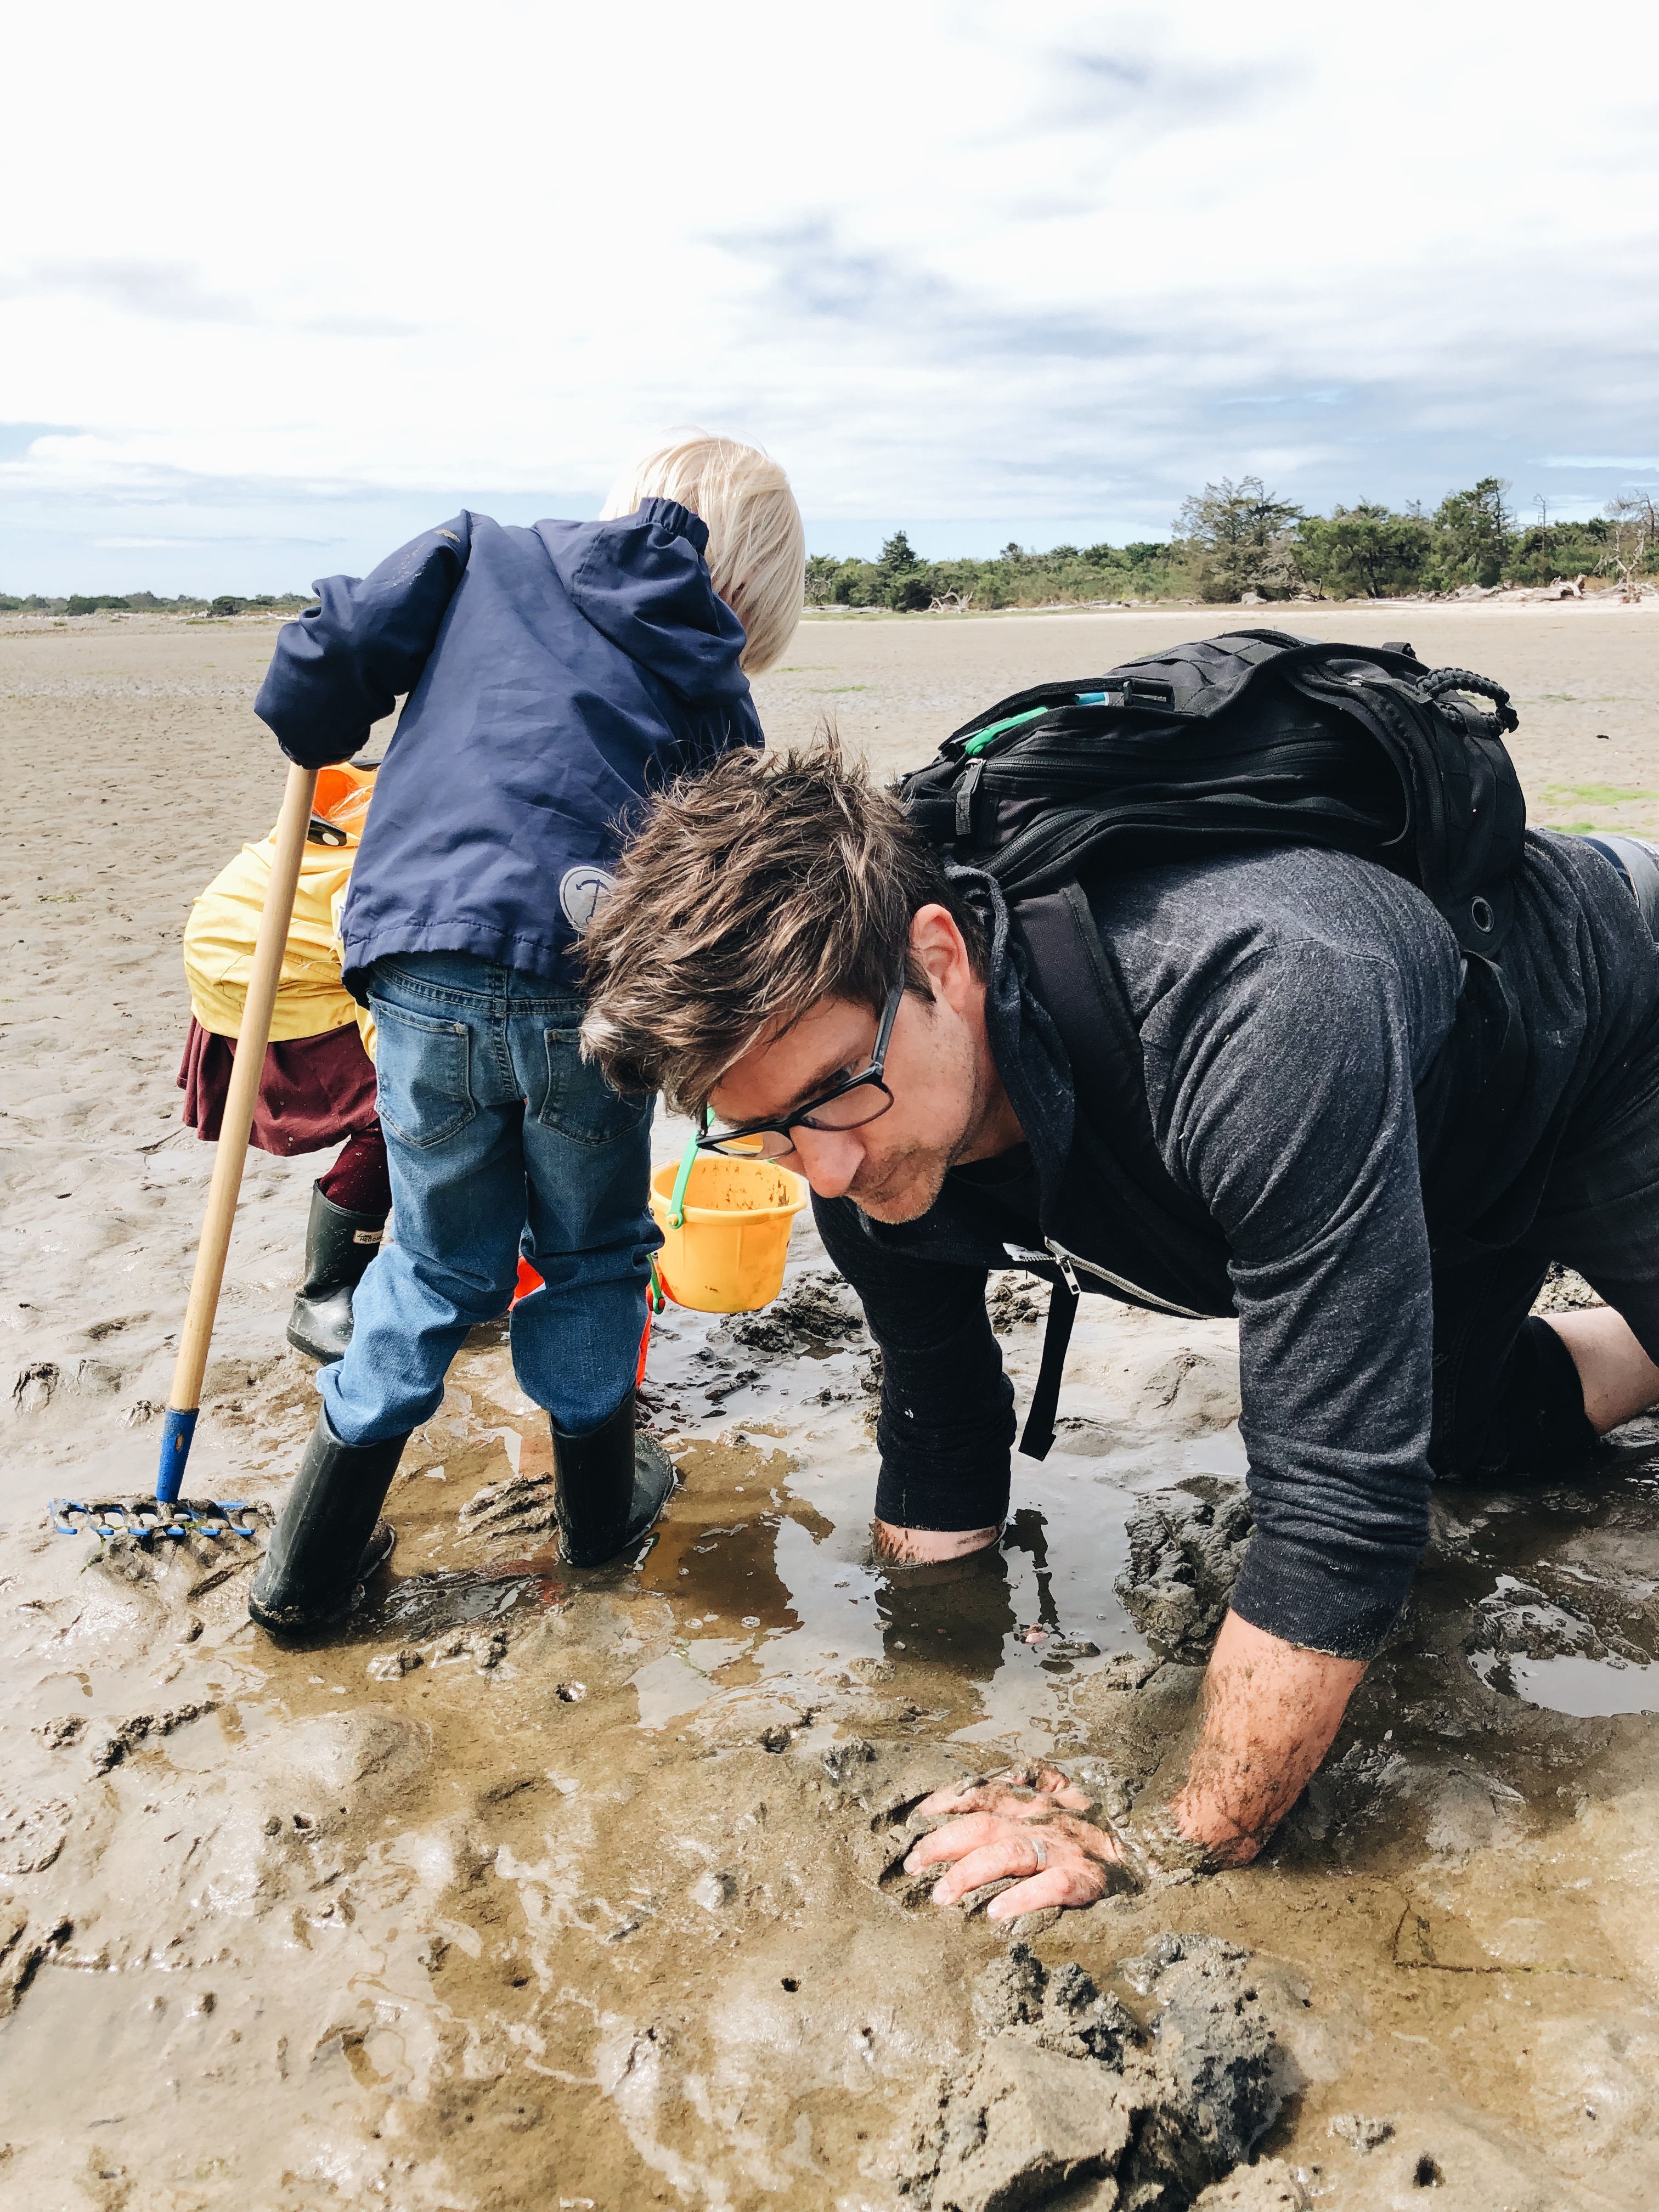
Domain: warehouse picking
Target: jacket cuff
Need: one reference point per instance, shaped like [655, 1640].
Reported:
[1305, 1598]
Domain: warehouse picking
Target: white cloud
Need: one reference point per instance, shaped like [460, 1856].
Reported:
[954, 263]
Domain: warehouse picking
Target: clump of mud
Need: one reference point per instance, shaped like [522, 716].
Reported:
[1067, 2088]
[1186, 1546]
[1519, 1620]
[1211, 2039]
[820, 1314]
[519, 1511]
[791, 1347]
[1565, 1291]
[1013, 1299]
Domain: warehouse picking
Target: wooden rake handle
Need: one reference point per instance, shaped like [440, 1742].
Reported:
[185, 1399]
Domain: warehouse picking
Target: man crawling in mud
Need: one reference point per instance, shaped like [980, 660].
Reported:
[785, 956]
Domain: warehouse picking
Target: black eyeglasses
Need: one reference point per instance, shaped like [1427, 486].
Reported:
[848, 1104]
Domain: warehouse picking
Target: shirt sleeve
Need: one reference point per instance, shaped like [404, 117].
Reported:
[1287, 1108]
[343, 666]
[946, 1424]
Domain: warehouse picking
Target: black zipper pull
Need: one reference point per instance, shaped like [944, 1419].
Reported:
[967, 785]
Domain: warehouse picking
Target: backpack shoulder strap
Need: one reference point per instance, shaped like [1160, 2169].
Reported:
[1159, 1236]
[1077, 982]
[1085, 1001]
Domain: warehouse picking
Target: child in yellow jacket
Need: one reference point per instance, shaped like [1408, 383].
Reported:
[317, 1087]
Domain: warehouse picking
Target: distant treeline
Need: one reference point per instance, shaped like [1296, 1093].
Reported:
[1235, 538]
[146, 603]
[1229, 542]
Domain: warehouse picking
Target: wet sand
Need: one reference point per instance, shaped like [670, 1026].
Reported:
[528, 1889]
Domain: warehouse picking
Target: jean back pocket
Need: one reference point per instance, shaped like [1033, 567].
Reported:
[422, 1066]
[579, 1103]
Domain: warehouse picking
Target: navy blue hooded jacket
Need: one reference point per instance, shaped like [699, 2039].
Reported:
[554, 676]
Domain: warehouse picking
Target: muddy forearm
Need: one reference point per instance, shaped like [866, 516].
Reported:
[1270, 1711]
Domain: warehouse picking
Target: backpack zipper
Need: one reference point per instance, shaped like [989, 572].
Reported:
[1053, 766]
[1069, 1262]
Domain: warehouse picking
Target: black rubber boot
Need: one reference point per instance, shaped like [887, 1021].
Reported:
[338, 1249]
[610, 1486]
[330, 1538]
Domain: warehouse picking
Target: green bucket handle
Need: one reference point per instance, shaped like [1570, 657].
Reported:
[676, 1201]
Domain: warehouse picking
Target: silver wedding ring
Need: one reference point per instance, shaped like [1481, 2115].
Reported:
[1042, 1850]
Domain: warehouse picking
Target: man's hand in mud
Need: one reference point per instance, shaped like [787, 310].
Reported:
[1020, 1826]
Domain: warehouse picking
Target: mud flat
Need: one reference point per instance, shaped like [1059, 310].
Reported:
[535, 1890]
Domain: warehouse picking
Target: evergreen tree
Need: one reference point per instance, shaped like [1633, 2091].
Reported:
[1474, 534]
[1365, 551]
[1241, 540]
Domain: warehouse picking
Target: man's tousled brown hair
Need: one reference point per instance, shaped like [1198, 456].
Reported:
[749, 895]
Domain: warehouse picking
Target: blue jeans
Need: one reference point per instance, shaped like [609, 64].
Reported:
[501, 1140]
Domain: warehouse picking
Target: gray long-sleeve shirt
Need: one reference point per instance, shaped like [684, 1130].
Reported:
[1291, 1008]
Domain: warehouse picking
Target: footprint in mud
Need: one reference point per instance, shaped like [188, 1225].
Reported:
[30, 1836]
[425, 1607]
[519, 1511]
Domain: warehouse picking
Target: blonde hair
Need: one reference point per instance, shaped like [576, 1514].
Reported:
[757, 542]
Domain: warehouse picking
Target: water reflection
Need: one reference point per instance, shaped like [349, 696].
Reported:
[1591, 1689]
[743, 1552]
[1028, 1532]
[722, 1571]
[770, 1532]
[959, 1613]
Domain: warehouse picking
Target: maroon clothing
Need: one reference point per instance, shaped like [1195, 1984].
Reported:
[360, 1181]
[314, 1091]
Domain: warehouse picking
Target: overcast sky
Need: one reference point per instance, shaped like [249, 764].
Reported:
[280, 289]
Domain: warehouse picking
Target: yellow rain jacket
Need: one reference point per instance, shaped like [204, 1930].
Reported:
[224, 921]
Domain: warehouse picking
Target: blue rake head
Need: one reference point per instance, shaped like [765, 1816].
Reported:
[151, 1517]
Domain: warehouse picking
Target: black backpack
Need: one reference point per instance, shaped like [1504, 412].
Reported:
[1256, 738]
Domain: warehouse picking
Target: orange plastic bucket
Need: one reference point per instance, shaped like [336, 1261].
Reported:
[343, 797]
[725, 1253]
[530, 1282]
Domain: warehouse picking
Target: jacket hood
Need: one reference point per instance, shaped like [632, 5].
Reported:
[643, 582]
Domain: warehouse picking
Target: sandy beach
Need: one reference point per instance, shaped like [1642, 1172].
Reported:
[534, 1889]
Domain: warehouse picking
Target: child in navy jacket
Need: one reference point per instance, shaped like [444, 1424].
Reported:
[554, 675]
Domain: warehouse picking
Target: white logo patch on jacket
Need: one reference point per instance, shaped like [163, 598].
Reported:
[580, 891]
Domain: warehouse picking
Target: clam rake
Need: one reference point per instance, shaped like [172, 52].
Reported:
[149, 1517]
[168, 1515]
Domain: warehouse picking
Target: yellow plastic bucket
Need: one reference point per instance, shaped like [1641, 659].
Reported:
[727, 1253]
